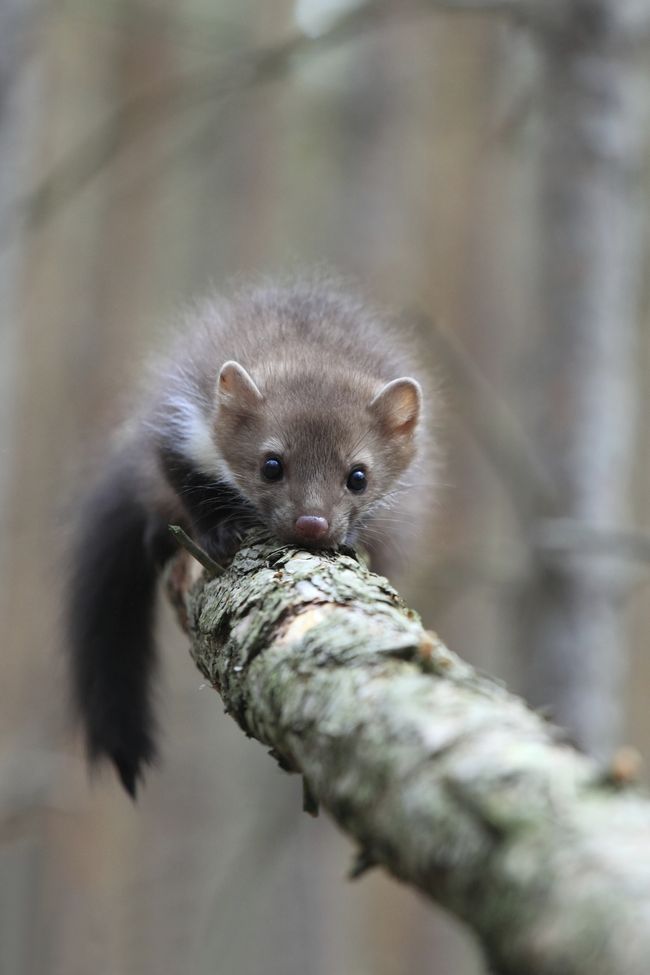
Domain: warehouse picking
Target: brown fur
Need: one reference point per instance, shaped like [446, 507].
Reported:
[305, 373]
[317, 357]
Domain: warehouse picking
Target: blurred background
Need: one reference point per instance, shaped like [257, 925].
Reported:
[487, 178]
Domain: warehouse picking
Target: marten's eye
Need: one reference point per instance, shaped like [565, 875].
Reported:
[272, 469]
[357, 480]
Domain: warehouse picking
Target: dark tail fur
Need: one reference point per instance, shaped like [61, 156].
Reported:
[117, 553]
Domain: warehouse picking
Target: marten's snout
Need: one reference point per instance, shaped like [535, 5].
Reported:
[311, 528]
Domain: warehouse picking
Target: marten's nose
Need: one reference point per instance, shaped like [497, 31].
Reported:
[311, 527]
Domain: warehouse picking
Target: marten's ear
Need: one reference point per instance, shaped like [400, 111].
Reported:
[236, 389]
[397, 406]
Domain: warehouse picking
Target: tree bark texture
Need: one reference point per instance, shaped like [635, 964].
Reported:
[439, 774]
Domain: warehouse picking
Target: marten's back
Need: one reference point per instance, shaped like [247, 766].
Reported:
[315, 328]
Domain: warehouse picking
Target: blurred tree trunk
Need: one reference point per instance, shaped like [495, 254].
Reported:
[591, 250]
[21, 851]
[16, 114]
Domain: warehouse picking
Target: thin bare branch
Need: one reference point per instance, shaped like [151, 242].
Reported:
[494, 424]
[562, 536]
[144, 110]
[148, 109]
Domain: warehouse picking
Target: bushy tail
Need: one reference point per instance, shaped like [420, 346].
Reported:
[110, 619]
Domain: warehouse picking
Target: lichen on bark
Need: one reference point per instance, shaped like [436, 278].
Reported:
[441, 776]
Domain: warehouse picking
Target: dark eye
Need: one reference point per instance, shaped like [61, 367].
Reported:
[272, 469]
[357, 480]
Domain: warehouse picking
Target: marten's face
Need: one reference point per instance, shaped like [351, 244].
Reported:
[316, 455]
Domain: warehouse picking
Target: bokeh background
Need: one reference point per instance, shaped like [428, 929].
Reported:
[153, 149]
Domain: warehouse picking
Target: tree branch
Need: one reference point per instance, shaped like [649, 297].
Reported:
[440, 775]
[246, 69]
[495, 426]
[512, 7]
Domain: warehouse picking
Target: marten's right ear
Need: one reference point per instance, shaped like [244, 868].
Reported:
[397, 406]
[236, 389]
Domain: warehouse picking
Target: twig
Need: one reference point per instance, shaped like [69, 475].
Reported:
[496, 427]
[196, 551]
[561, 536]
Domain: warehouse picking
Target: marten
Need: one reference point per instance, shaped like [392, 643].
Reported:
[292, 406]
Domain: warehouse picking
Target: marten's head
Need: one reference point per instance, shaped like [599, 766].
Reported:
[315, 453]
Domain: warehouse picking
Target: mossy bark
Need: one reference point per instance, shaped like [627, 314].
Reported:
[439, 774]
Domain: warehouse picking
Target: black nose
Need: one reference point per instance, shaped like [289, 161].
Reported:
[311, 527]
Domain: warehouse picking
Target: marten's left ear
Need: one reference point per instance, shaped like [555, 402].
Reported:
[397, 406]
[236, 388]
